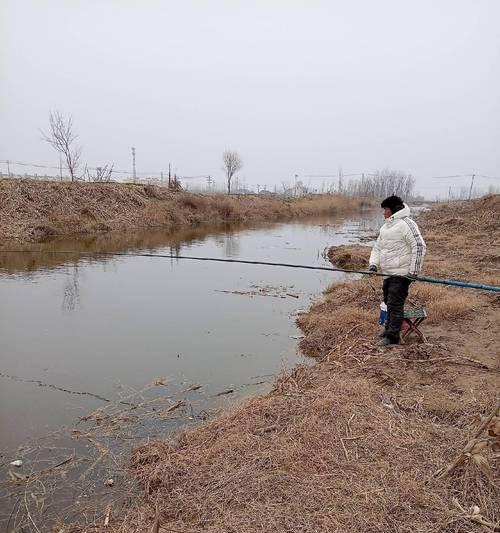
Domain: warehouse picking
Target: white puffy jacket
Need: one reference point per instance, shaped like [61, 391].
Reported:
[400, 248]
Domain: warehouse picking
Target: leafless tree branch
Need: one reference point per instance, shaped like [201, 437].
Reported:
[232, 163]
[101, 174]
[62, 138]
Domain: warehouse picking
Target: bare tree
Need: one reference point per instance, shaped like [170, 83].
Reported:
[102, 174]
[232, 163]
[381, 184]
[62, 138]
[287, 189]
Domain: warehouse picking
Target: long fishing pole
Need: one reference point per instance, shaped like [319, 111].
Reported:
[465, 284]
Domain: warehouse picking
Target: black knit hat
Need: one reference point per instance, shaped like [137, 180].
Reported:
[394, 203]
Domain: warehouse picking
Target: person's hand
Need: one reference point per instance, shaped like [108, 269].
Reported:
[372, 269]
[412, 277]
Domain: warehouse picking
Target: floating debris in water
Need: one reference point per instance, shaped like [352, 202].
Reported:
[193, 387]
[176, 405]
[227, 391]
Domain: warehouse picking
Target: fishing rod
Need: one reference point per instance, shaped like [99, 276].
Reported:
[464, 284]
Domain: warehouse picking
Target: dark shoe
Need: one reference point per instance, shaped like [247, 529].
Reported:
[382, 333]
[386, 341]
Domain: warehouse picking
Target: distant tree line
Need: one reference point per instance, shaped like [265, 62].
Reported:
[381, 184]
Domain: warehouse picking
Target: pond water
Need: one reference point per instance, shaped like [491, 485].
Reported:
[80, 329]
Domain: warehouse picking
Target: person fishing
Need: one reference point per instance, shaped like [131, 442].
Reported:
[398, 254]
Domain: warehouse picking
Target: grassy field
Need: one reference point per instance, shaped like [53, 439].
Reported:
[39, 211]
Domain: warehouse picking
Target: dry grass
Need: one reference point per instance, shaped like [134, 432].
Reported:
[305, 458]
[443, 302]
[352, 256]
[330, 323]
[351, 444]
[38, 211]
[465, 240]
[325, 451]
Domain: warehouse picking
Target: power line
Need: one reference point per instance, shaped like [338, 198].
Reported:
[472, 176]
[332, 175]
[465, 176]
[204, 177]
[446, 177]
[9, 162]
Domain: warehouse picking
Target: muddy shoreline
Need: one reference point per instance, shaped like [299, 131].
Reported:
[354, 442]
[357, 441]
[69, 295]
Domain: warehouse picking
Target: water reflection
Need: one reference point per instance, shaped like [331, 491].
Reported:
[36, 257]
[42, 257]
[71, 298]
[230, 243]
[91, 320]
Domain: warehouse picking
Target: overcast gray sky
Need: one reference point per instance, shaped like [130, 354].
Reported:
[296, 87]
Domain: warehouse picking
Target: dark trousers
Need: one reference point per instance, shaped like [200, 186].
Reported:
[395, 294]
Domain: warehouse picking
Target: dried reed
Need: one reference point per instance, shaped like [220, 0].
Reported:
[38, 211]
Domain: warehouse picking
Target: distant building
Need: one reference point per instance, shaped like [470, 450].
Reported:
[266, 193]
[241, 191]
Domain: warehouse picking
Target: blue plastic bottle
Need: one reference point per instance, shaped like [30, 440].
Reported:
[383, 314]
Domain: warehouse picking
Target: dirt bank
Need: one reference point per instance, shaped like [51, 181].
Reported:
[350, 256]
[356, 442]
[37, 211]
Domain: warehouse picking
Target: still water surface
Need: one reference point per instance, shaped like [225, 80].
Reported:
[103, 325]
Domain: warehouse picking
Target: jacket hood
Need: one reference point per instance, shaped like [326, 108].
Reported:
[405, 212]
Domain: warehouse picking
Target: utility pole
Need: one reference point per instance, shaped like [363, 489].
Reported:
[169, 174]
[8, 168]
[341, 186]
[209, 181]
[471, 186]
[134, 174]
[295, 186]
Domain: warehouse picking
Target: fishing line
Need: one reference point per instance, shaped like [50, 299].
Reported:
[465, 284]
